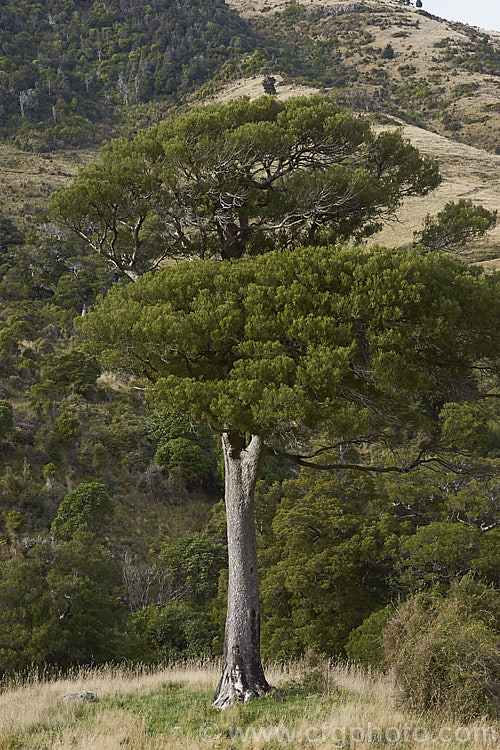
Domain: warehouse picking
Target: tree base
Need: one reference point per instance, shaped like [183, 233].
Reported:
[235, 687]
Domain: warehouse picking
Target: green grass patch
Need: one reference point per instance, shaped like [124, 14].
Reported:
[175, 710]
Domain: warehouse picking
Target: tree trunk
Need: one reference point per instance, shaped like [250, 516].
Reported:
[242, 675]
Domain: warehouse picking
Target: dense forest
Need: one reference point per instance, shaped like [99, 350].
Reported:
[69, 65]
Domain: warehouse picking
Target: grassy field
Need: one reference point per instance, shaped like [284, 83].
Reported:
[27, 179]
[328, 706]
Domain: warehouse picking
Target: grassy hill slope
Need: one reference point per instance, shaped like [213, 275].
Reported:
[440, 75]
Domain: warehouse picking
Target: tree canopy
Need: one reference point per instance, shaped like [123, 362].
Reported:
[353, 341]
[239, 178]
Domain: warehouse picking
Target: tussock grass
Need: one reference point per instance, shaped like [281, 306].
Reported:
[314, 704]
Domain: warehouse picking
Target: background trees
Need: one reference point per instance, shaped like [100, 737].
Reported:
[242, 177]
[59, 606]
[87, 507]
[80, 62]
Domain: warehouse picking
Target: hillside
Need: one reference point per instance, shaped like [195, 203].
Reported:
[67, 67]
[395, 59]
[441, 79]
[88, 63]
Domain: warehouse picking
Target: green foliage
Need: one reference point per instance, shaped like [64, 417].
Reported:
[72, 371]
[182, 457]
[15, 329]
[324, 570]
[444, 651]
[387, 52]
[442, 550]
[60, 606]
[88, 507]
[14, 520]
[174, 631]
[194, 563]
[472, 428]
[364, 645]
[67, 428]
[229, 179]
[268, 84]
[318, 332]
[292, 12]
[49, 470]
[6, 418]
[456, 225]
[185, 450]
[42, 396]
[67, 65]
[9, 235]
[56, 266]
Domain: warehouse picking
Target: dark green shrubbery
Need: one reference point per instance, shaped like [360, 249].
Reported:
[445, 650]
[175, 631]
[194, 564]
[88, 507]
[60, 606]
[185, 450]
[6, 418]
[364, 644]
[387, 52]
[67, 428]
[74, 372]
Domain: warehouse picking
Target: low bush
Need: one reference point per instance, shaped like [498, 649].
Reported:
[87, 507]
[445, 650]
[6, 418]
[364, 644]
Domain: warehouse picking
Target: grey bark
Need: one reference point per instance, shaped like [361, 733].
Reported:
[242, 676]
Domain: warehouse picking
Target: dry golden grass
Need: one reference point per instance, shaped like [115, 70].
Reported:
[29, 703]
[32, 716]
[27, 179]
[467, 172]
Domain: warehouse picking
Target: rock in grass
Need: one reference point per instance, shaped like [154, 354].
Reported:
[85, 696]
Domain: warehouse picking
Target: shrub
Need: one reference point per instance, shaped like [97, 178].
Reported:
[364, 644]
[185, 450]
[88, 507]
[194, 564]
[387, 52]
[445, 651]
[42, 397]
[73, 371]
[175, 631]
[14, 520]
[182, 457]
[6, 418]
[66, 429]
